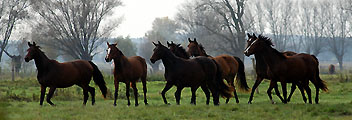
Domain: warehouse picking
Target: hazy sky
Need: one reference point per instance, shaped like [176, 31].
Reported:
[139, 15]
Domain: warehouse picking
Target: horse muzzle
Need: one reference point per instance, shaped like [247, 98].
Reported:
[152, 60]
[107, 60]
[26, 59]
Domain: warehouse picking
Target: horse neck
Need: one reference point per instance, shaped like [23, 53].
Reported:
[259, 62]
[181, 54]
[272, 57]
[121, 63]
[170, 60]
[203, 53]
[42, 62]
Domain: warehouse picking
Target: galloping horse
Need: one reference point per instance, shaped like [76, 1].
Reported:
[262, 73]
[298, 69]
[200, 71]
[128, 71]
[178, 50]
[229, 65]
[54, 75]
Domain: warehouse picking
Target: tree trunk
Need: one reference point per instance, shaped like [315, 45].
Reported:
[339, 59]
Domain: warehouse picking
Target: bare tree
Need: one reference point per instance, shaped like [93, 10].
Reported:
[11, 11]
[223, 19]
[336, 30]
[76, 24]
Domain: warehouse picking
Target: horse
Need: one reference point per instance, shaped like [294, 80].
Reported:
[54, 75]
[230, 66]
[261, 71]
[298, 69]
[198, 72]
[178, 50]
[129, 71]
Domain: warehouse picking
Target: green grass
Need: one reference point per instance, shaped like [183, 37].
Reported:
[20, 100]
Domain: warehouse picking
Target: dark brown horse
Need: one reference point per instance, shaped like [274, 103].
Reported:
[129, 71]
[262, 70]
[298, 69]
[54, 75]
[178, 50]
[198, 72]
[230, 66]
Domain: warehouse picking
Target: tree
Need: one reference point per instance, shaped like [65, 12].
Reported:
[163, 29]
[126, 46]
[337, 30]
[75, 25]
[11, 11]
[222, 20]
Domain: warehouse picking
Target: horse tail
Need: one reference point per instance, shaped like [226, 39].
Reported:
[224, 89]
[99, 79]
[321, 84]
[241, 76]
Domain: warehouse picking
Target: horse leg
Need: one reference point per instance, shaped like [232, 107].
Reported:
[135, 91]
[178, 94]
[230, 81]
[293, 88]
[307, 88]
[85, 95]
[92, 93]
[128, 93]
[302, 91]
[284, 90]
[193, 99]
[272, 85]
[206, 92]
[166, 88]
[50, 94]
[116, 91]
[42, 94]
[144, 82]
[256, 84]
[277, 92]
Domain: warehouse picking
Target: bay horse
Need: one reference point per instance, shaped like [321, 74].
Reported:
[198, 72]
[262, 73]
[178, 50]
[54, 75]
[129, 71]
[298, 69]
[231, 66]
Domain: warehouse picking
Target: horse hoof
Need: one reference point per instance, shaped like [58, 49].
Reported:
[249, 102]
[115, 105]
[273, 102]
[237, 101]
[136, 105]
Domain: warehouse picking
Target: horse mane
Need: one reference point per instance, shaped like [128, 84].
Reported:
[269, 42]
[182, 50]
[203, 50]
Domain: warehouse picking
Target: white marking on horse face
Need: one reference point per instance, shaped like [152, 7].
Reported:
[107, 55]
[246, 51]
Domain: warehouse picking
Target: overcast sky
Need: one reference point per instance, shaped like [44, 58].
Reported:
[139, 15]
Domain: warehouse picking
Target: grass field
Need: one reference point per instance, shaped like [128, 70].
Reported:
[20, 100]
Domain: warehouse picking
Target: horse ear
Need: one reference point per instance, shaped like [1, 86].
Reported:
[108, 43]
[249, 35]
[168, 44]
[29, 44]
[172, 42]
[254, 35]
[189, 40]
[34, 44]
[159, 43]
[154, 43]
[195, 40]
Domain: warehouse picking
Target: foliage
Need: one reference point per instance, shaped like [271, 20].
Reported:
[126, 46]
[75, 25]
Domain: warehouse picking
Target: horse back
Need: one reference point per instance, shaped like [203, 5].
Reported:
[228, 64]
[68, 73]
[138, 66]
